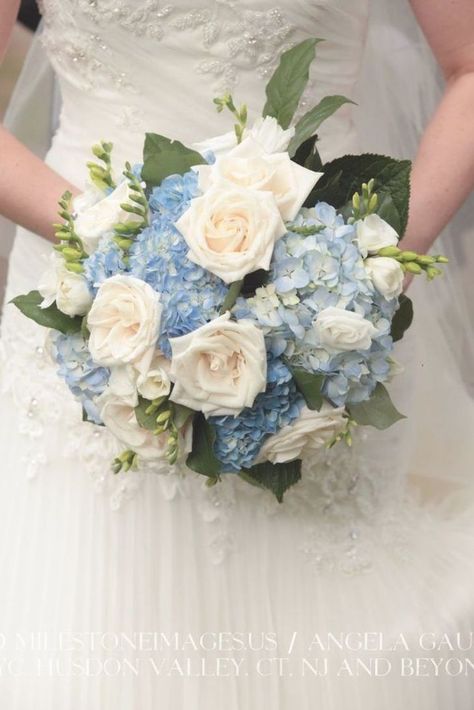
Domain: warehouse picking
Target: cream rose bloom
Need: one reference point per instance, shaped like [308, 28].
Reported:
[386, 274]
[219, 368]
[124, 320]
[304, 436]
[340, 330]
[119, 417]
[69, 291]
[373, 233]
[231, 231]
[266, 131]
[155, 382]
[97, 218]
[249, 165]
[147, 377]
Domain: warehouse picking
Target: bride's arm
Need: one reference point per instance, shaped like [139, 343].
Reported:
[29, 189]
[443, 171]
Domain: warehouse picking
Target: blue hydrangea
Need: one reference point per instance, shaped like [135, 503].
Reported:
[190, 295]
[103, 263]
[239, 439]
[311, 272]
[85, 379]
[173, 196]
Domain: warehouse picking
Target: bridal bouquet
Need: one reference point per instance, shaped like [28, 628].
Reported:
[233, 306]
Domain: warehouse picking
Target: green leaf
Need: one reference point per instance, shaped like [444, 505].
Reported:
[308, 156]
[344, 176]
[285, 88]
[276, 477]
[181, 414]
[403, 318]
[310, 386]
[50, 317]
[231, 296]
[310, 122]
[163, 157]
[202, 458]
[146, 421]
[378, 411]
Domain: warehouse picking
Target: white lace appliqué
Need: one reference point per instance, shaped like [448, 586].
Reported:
[231, 38]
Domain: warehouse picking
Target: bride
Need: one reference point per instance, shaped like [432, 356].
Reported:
[153, 591]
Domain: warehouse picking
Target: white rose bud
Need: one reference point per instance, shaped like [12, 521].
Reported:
[70, 291]
[249, 166]
[94, 221]
[231, 231]
[373, 233]
[340, 330]
[311, 431]
[219, 368]
[155, 382]
[386, 275]
[124, 320]
[119, 417]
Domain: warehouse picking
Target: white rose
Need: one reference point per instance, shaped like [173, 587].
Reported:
[373, 233]
[271, 136]
[155, 382]
[123, 383]
[339, 329]
[69, 291]
[266, 131]
[219, 368]
[386, 275]
[119, 417]
[93, 221]
[231, 231]
[124, 320]
[248, 165]
[309, 432]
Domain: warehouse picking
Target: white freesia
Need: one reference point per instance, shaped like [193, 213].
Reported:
[119, 417]
[386, 274]
[70, 291]
[219, 368]
[147, 377]
[249, 166]
[267, 132]
[97, 218]
[231, 231]
[340, 330]
[301, 438]
[374, 233]
[124, 320]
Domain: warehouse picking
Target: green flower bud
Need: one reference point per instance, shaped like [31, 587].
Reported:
[389, 251]
[426, 260]
[412, 267]
[408, 256]
[71, 254]
[442, 260]
[74, 267]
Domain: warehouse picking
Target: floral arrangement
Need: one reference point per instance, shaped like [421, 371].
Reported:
[233, 306]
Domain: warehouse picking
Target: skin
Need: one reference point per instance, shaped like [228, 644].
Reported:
[443, 172]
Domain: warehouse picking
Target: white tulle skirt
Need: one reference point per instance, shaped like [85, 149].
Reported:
[155, 591]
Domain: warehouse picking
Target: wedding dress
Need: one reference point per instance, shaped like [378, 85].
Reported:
[131, 591]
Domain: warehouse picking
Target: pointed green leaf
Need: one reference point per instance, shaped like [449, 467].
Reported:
[50, 317]
[378, 411]
[310, 122]
[285, 88]
[275, 477]
[310, 386]
[202, 458]
[163, 157]
[181, 414]
[308, 156]
[403, 318]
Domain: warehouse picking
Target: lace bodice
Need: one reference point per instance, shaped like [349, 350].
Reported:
[126, 67]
